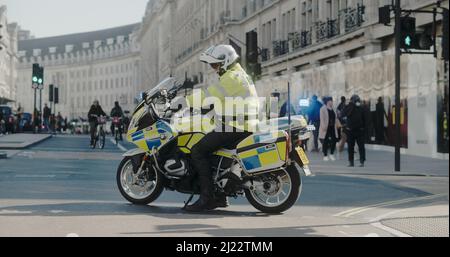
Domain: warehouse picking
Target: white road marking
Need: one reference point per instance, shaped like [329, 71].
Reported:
[119, 145]
[355, 211]
[72, 235]
[8, 212]
[57, 211]
[35, 176]
[372, 235]
[377, 219]
[390, 230]
[345, 234]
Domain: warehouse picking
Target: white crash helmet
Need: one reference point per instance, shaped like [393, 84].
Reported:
[223, 54]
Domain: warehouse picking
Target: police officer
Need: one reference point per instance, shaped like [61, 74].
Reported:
[235, 123]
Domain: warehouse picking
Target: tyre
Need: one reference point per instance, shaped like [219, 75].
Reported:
[102, 139]
[275, 192]
[116, 133]
[141, 191]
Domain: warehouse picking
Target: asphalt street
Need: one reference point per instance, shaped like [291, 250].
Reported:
[61, 187]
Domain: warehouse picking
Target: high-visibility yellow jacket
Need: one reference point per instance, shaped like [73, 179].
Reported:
[234, 98]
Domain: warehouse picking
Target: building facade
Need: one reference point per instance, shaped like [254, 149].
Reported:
[322, 47]
[101, 65]
[8, 58]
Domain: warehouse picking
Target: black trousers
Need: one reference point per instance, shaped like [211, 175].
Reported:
[329, 143]
[356, 137]
[202, 152]
[93, 130]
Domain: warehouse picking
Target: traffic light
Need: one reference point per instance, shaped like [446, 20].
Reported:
[35, 76]
[51, 93]
[445, 32]
[423, 41]
[252, 47]
[253, 67]
[384, 15]
[56, 95]
[41, 76]
[408, 32]
[411, 39]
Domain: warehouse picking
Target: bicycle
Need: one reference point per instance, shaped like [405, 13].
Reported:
[117, 123]
[100, 135]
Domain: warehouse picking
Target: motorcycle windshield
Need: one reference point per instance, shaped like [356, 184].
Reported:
[167, 84]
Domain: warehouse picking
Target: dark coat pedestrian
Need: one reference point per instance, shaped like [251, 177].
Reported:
[314, 119]
[355, 117]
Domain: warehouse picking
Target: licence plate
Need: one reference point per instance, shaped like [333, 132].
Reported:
[302, 155]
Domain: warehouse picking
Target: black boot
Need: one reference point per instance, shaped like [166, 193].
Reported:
[220, 201]
[351, 164]
[206, 200]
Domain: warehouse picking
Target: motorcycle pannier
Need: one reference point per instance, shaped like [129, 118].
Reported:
[263, 151]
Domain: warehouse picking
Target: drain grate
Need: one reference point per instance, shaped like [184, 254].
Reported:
[420, 226]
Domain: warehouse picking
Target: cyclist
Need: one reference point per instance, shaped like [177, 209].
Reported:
[95, 112]
[117, 112]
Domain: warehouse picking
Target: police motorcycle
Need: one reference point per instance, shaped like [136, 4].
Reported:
[265, 167]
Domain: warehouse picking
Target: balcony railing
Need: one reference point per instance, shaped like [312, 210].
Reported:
[326, 30]
[295, 39]
[280, 47]
[265, 55]
[354, 17]
[305, 38]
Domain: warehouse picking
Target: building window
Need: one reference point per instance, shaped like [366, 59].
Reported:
[52, 50]
[69, 48]
[36, 52]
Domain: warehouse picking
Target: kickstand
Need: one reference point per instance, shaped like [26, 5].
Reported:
[188, 201]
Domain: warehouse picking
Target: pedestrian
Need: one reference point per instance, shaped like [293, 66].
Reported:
[314, 119]
[380, 128]
[47, 114]
[59, 122]
[342, 137]
[52, 123]
[65, 124]
[36, 121]
[356, 126]
[2, 123]
[329, 125]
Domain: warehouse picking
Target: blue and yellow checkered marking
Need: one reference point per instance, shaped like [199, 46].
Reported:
[259, 157]
[155, 143]
[252, 163]
[137, 136]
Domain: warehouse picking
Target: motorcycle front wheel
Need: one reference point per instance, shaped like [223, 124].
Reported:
[275, 192]
[141, 190]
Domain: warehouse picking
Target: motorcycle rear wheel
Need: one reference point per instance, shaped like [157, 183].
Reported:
[134, 193]
[291, 177]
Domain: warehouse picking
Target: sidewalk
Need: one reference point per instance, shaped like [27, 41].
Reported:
[21, 141]
[380, 163]
[430, 221]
